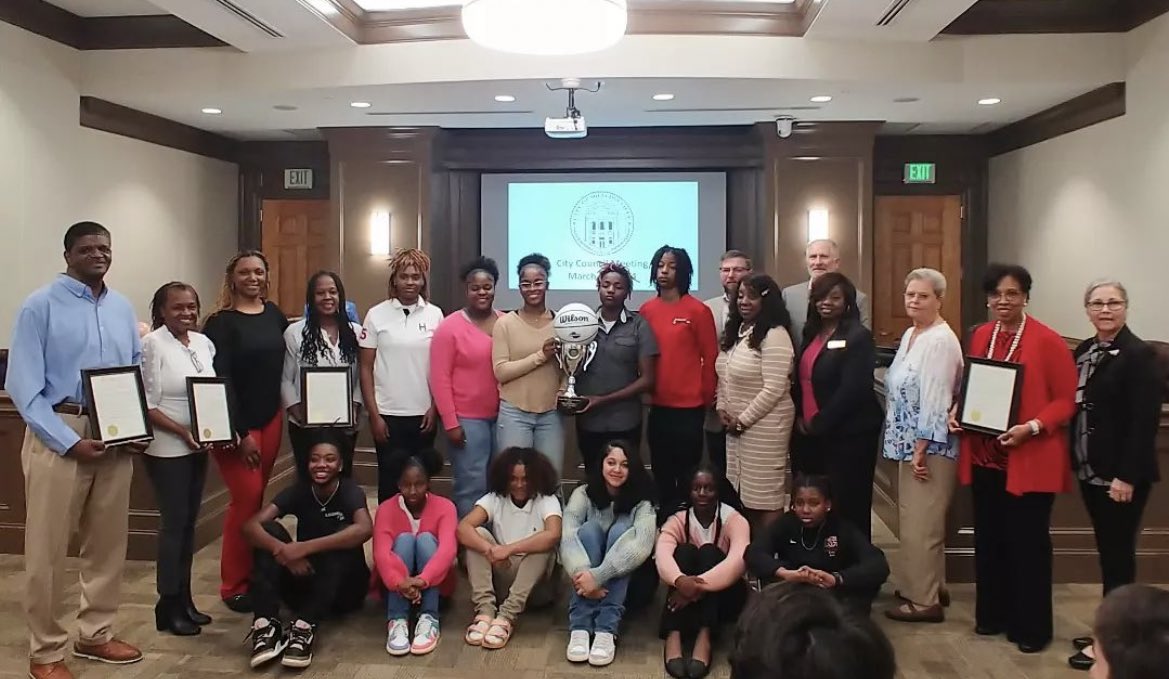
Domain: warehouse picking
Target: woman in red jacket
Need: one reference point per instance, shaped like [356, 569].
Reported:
[1014, 477]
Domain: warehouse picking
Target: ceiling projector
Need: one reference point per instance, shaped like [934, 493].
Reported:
[572, 127]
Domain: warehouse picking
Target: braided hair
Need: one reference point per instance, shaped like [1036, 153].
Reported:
[312, 345]
[619, 269]
[407, 257]
[159, 301]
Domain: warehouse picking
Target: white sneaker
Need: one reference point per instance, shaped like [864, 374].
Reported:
[604, 649]
[578, 646]
[425, 635]
[398, 637]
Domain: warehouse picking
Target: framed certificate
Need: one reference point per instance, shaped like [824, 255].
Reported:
[989, 402]
[327, 396]
[211, 410]
[116, 401]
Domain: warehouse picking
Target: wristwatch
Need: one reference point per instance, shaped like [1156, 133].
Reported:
[1034, 425]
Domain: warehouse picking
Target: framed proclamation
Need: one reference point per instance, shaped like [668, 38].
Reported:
[327, 396]
[211, 410]
[116, 402]
[989, 402]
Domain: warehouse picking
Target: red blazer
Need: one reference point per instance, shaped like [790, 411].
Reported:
[1043, 463]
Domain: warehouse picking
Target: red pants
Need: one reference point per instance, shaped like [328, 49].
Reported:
[246, 488]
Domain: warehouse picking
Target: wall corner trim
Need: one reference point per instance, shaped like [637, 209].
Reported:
[1103, 103]
[99, 114]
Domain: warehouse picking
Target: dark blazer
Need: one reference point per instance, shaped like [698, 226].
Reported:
[842, 380]
[1123, 404]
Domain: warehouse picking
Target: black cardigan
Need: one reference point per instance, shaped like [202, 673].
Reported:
[842, 379]
[841, 548]
[1123, 404]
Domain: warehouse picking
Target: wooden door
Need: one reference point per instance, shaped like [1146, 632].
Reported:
[913, 232]
[294, 238]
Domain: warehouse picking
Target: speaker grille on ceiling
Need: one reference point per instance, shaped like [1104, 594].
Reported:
[892, 12]
[250, 18]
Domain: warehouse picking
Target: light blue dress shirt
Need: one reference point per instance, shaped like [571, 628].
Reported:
[60, 331]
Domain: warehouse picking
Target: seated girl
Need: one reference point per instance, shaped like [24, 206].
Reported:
[699, 555]
[414, 547]
[809, 544]
[609, 530]
[511, 564]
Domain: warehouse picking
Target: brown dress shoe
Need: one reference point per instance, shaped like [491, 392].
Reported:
[114, 652]
[908, 612]
[53, 670]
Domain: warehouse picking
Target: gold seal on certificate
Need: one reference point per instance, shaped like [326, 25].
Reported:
[116, 402]
[327, 396]
[989, 403]
[212, 418]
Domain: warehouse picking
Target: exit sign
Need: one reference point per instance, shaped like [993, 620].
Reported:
[298, 179]
[920, 173]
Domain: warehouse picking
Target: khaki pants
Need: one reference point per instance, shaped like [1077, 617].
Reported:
[63, 495]
[923, 506]
[528, 578]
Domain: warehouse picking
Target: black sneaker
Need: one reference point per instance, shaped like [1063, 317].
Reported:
[299, 653]
[268, 641]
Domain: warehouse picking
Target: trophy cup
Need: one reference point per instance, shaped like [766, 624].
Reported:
[576, 327]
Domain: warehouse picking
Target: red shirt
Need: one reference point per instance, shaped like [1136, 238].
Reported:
[807, 393]
[689, 347]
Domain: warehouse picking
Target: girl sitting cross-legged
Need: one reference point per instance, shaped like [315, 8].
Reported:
[699, 555]
[414, 547]
[809, 544]
[609, 530]
[511, 564]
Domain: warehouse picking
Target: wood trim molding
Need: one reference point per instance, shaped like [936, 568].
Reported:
[993, 17]
[99, 114]
[1102, 103]
[103, 33]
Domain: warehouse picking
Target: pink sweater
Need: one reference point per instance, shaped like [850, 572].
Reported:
[438, 519]
[733, 539]
[462, 379]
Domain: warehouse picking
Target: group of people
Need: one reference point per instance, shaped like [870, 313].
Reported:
[762, 370]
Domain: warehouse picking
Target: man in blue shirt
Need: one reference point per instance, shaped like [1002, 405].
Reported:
[72, 481]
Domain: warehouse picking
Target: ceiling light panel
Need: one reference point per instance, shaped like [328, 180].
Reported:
[395, 5]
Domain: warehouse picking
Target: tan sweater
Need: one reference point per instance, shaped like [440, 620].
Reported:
[527, 379]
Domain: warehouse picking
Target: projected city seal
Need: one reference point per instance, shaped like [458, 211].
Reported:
[601, 223]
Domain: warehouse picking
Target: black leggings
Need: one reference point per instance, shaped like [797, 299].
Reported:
[338, 584]
[713, 609]
[675, 442]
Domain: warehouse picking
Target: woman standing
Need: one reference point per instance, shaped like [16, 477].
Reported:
[395, 370]
[522, 354]
[753, 396]
[1014, 477]
[248, 332]
[1118, 412]
[175, 462]
[621, 370]
[920, 387]
[325, 337]
[463, 383]
[838, 421]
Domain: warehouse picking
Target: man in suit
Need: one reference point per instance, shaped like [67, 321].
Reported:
[822, 256]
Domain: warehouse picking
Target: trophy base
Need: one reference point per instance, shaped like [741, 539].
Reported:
[571, 405]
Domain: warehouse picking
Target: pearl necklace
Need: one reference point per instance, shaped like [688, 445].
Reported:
[1014, 342]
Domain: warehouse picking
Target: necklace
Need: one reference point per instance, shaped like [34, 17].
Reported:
[814, 542]
[998, 325]
[328, 499]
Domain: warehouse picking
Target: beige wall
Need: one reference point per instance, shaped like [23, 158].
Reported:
[1093, 203]
[172, 214]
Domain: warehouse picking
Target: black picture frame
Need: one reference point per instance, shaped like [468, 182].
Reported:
[110, 435]
[196, 430]
[968, 415]
[305, 373]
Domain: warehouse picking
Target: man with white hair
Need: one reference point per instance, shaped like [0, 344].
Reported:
[822, 256]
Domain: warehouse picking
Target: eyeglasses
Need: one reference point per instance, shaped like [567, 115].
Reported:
[736, 269]
[1111, 305]
[538, 285]
[1009, 295]
[194, 359]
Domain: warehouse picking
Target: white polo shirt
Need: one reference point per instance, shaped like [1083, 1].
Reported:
[401, 335]
[510, 523]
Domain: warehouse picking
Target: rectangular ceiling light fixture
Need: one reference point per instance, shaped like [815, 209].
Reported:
[396, 5]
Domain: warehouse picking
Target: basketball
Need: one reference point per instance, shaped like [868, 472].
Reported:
[576, 323]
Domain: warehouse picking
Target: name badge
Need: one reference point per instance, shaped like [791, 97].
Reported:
[837, 344]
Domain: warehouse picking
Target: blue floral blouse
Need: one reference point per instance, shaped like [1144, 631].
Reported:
[920, 388]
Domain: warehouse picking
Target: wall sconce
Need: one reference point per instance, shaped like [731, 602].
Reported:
[817, 224]
[379, 233]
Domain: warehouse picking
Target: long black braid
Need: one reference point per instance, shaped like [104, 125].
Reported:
[312, 344]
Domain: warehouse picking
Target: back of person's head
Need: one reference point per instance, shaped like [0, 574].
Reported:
[1132, 634]
[796, 631]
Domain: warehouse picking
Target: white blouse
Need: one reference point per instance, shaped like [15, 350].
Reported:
[330, 358]
[166, 365]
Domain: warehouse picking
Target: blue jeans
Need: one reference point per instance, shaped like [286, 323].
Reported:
[469, 463]
[600, 615]
[542, 431]
[415, 551]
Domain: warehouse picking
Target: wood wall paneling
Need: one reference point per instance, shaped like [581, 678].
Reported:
[1103, 103]
[98, 33]
[99, 114]
[1055, 16]
[262, 166]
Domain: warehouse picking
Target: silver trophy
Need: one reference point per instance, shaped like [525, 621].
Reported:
[576, 327]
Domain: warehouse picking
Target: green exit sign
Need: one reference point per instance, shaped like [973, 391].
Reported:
[920, 173]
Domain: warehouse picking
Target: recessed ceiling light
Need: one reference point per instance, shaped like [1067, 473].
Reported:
[989, 101]
[821, 99]
[504, 98]
[664, 96]
[360, 104]
[212, 111]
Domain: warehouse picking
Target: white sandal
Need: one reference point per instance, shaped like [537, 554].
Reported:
[497, 635]
[477, 630]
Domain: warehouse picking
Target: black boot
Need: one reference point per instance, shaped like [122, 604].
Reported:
[193, 614]
[170, 616]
